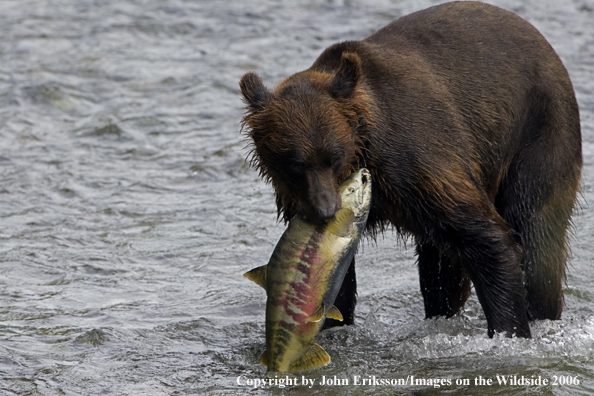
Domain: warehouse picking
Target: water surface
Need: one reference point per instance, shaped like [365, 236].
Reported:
[129, 214]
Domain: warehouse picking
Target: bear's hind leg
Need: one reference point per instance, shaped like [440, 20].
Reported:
[538, 195]
[540, 214]
[544, 264]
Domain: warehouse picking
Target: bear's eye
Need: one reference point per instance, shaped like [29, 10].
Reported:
[350, 190]
[298, 166]
[335, 162]
[294, 169]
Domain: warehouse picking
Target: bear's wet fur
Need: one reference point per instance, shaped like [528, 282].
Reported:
[467, 120]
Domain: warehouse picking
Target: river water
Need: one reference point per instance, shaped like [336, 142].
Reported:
[128, 212]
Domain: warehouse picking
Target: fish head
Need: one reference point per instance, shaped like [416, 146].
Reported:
[355, 192]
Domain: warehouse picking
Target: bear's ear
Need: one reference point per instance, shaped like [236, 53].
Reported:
[349, 72]
[255, 94]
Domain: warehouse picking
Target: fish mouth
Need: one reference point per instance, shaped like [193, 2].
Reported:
[355, 191]
[365, 176]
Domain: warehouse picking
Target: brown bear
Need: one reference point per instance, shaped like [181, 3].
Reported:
[467, 120]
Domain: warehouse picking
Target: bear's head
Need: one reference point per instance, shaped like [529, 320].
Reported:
[304, 135]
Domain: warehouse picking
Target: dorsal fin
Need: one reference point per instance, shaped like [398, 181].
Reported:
[313, 358]
[318, 315]
[334, 313]
[257, 275]
[342, 223]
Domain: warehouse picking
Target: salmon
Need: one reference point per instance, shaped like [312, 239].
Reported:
[303, 278]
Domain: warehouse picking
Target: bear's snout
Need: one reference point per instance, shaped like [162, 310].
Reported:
[323, 196]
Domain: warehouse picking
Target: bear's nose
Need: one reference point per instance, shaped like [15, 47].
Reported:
[327, 212]
[323, 196]
[324, 206]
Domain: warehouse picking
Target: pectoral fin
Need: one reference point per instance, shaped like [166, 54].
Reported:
[264, 359]
[257, 275]
[334, 313]
[342, 223]
[318, 315]
[315, 357]
[322, 312]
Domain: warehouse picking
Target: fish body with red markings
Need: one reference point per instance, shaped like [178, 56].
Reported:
[303, 277]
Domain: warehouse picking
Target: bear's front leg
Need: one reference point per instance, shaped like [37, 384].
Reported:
[346, 300]
[444, 283]
[493, 260]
